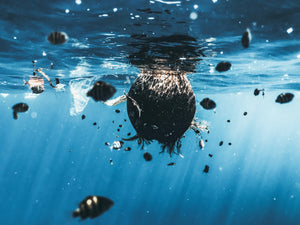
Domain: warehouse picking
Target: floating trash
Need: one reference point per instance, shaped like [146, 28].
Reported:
[83, 117]
[284, 98]
[101, 91]
[92, 206]
[206, 169]
[201, 144]
[57, 38]
[221, 143]
[117, 111]
[257, 91]
[147, 156]
[127, 149]
[210, 155]
[171, 164]
[117, 145]
[207, 103]
[20, 107]
[245, 113]
[223, 66]
[246, 38]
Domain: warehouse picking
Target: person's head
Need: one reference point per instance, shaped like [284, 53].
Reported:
[37, 89]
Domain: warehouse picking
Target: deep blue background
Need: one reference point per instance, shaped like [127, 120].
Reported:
[50, 160]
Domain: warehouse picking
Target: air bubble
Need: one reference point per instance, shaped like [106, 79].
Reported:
[193, 16]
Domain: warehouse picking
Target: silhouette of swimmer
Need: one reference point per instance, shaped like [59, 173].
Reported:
[36, 83]
[161, 103]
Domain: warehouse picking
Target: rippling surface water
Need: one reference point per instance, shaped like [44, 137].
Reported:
[51, 159]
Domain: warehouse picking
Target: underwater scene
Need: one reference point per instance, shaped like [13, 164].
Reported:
[150, 112]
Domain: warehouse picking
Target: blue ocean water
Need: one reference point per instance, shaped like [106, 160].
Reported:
[51, 159]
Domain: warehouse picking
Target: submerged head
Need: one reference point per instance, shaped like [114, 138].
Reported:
[161, 107]
[161, 103]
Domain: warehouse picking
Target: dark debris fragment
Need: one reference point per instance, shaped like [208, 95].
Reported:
[83, 117]
[221, 143]
[223, 66]
[206, 169]
[92, 206]
[20, 107]
[246, 38]
[57, 38]
[171, 164]
[207, 103]
[101, 91]
[210, 155]
[245, 113]
[127, 149]
[284, 98]
[147, 156]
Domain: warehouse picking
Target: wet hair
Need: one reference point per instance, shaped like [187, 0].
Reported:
[161, 103]
[37, 89]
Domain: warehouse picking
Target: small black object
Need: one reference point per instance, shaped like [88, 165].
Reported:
[118, 130]
[284, 98]
[127, 149]
[106, 143]
[125, 120]
[83, 117]
[206, 169]
[57, 81]
[228, 121]
[256, 92]
[246, 38]
[223, 66]
[207, 103]
[20, 107]
[205, 140]
[171, 164]
[221, 143]
[57, 38]
[229, 143]
[101, 91]
[120, 125]
[94, 123]
[129, 134]
[92, 206]
[117, 111]
[147, 156]
[210, 155]
[245, 113]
